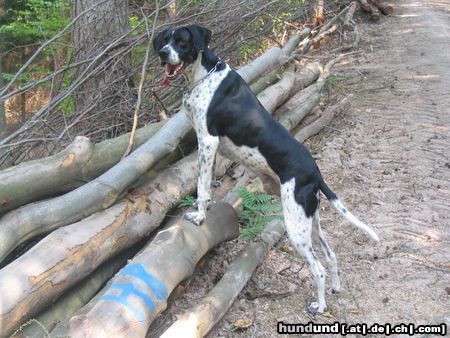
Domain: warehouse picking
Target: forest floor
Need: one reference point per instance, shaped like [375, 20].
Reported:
[388, 159]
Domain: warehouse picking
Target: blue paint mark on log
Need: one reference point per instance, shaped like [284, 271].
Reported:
[138, 271]
[128, 288]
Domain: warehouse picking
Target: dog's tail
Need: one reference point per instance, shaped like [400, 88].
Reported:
[336, 202]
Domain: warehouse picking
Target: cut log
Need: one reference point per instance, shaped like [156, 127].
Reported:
[198, 321]
[365, 6]
[293, 42]
[42, 217]
[75, 298]
[275, 74]
[324, 120]
[309, 99]
[77, 249]
[374, 12]
[386, 9]
[329, 28]
[353, 7]
[259, 66]
[81, 161]
[278, 93]
[139, 292]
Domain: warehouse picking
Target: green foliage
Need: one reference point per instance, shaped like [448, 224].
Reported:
[258, 210]
[249, 49]
[187, 201]
[333, 80]
[31, 21]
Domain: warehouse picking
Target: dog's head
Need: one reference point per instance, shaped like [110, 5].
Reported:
[179, 47]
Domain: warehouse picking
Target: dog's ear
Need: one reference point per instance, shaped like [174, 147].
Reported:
[158, 41]
[200, 36]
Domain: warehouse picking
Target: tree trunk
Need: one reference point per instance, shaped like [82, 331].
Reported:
[202, 318]
[108, 89]
[319, 17]
[45, 216]
[67, 305]
[80, 162]
[77, 249]
[386, 9]
[179, 247]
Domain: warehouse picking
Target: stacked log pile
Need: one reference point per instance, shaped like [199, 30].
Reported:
[92, 229]
[375, 7]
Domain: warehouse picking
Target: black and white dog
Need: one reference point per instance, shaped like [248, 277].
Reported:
[228, 118]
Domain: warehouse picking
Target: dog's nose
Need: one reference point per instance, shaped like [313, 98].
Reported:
[164, 53]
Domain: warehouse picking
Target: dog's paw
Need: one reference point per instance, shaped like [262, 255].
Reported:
[195, 217]
[335, 289]
[314, 308]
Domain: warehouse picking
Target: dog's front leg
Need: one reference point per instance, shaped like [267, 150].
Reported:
[207, 149]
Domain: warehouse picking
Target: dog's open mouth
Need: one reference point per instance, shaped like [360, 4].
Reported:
[172, 72]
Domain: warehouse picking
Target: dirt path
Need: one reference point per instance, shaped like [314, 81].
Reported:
[389, 160]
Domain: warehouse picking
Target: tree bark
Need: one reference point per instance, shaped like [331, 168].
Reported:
[324, 120]
[42, 217]
[365, 5]
[374, 12]
[275, 74]
[258, 66]
[198, 321]
[79, 248]
[180, 247]
[81, 161]
[386, 9]
[350, 14]
[67, 305]
[90, 35]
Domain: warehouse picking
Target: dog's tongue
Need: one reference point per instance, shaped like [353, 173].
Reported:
[165, 82]
[169, 70]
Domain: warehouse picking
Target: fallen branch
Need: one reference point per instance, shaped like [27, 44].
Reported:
[201, 319]
[42, 217]
[353, 7]
[386, 9]
[139, 292]
[79, 248]
[67, 305]
[365, 5]
[80, 162]
[374, 12]
[329, 28]
[324, 120]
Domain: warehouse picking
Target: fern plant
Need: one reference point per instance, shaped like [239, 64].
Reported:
[187, 201]
[258, 210]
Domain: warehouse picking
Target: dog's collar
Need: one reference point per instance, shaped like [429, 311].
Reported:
[189, 89]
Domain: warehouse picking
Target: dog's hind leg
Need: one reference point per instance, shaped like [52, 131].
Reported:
[330, 257]
[299, 228]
